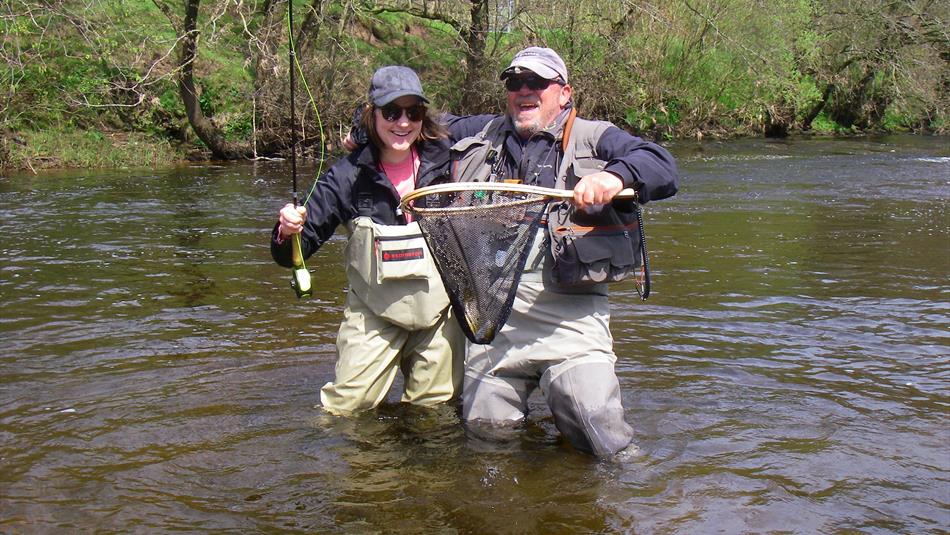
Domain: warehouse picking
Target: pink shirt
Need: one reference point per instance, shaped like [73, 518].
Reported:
[403, 175]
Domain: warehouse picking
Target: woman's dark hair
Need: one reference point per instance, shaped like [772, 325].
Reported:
[431, 129]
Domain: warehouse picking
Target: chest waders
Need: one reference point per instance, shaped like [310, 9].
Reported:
[397, 318]
[390, 269]
[556, 338]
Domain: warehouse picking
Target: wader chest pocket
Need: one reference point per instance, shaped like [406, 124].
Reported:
[401, 253]
[388, 273]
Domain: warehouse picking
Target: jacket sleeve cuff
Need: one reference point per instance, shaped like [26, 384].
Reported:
[278, 239]
[622, 172]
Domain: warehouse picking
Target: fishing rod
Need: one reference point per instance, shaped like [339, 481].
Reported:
[300, 280]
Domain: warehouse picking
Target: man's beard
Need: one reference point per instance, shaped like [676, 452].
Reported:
[528, 128]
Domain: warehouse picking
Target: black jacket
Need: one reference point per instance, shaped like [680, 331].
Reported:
[646, 167]
[355, 186]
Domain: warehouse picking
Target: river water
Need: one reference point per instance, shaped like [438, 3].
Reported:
[789, 373]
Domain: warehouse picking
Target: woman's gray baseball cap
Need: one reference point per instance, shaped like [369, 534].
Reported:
[392, 82]
[541, 61]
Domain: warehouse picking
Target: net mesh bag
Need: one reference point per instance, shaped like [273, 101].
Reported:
[480, 240]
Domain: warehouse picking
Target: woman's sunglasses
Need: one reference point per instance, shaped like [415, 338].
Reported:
[534, 83]
[393, 112]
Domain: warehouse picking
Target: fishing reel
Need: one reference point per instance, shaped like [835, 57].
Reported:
[300, 281]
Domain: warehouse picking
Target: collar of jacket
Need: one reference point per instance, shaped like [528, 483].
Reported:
[434, 156]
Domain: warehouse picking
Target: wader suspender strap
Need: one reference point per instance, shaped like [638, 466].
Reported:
[364, 197]
[567, 150]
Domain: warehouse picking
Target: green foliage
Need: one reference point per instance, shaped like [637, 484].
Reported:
[894, 122]
[940, 123]
[675, 69]
[824, 125]
[802, 93]
[239, 127]
[88, 149]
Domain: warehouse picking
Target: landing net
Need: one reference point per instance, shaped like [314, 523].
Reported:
[480, 236]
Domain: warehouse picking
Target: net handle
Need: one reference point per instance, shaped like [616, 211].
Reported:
[454, 187]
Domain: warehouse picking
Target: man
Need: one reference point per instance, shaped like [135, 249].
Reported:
[557, 337]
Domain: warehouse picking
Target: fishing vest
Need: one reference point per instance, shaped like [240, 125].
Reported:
[481, 158]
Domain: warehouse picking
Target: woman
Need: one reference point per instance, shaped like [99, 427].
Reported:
[397, 314]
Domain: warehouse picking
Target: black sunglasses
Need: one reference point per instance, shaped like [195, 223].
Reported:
[392, 112]
[534, 83]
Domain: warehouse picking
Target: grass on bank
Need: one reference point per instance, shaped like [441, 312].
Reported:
[48, 149]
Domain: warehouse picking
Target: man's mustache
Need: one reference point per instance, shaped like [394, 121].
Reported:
[527, 100]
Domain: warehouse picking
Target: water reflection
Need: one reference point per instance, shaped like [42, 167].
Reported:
[788, 374]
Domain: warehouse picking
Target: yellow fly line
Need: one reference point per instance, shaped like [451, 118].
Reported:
[316, 111]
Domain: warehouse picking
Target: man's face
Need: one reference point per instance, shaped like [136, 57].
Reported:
[532, 110]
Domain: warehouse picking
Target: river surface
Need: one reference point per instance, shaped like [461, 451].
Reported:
[789, 374]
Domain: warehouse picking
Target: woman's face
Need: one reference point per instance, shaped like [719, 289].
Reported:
[399, 123]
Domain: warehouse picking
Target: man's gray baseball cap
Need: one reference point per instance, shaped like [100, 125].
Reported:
[392, 82]
[541, 61]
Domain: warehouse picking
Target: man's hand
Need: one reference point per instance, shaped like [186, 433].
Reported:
[348, 142]
[596, 190]
[357, 136]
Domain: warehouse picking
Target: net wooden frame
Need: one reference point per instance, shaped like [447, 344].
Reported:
[549, 193]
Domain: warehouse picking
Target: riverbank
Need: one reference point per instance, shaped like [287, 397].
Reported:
[669, 72]
[93, 149]
[87, 149]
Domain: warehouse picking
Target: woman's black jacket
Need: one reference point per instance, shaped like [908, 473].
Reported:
[355, 186]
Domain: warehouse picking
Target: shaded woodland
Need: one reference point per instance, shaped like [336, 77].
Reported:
[212, 75]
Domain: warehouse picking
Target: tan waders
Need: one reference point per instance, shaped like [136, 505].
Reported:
[397, 318]
[561, 343]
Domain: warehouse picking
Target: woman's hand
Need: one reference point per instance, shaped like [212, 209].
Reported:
[291, 220]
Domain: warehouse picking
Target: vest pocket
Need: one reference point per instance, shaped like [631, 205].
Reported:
[588, 165]
[592, 249]
[585, 255]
